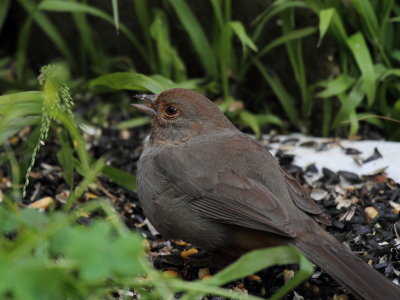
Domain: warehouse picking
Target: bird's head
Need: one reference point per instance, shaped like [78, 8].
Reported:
[180, 114]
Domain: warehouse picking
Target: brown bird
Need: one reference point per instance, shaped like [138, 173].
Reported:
[203, 181]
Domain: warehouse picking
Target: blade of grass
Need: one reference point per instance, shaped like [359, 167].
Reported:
[292, 35]
[197, 36]
[115, 14]
[65, 158]
[47, 26]
[20, 54]
[327, 106]
[120, 177]
[337, 86]
[250, 120]
[272, 11]
[363, 58]
[259, 259]
[64, 6]
[90, 177]
[224, 58]
[283, 96]
[216, 4]
[294, 50]
[370, 21]
[133, 123]
[143, 16]
[89, 49]
[4, 6]
[128, 81]
[240, 32]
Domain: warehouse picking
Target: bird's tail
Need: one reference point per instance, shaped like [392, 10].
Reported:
[353, 273]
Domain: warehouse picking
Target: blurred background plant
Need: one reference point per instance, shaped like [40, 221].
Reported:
[339, 67]
[321, 67]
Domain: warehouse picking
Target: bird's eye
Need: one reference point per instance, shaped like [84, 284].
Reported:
[171, 110]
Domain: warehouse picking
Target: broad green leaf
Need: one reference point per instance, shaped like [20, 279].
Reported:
[336, 86]
[34, 96]
[128, 81]
[250, 120]
[363, 58]
[120, 177]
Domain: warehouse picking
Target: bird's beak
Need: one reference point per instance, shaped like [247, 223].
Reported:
[149, 108]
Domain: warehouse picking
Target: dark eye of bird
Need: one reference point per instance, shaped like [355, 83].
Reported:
[171, 110]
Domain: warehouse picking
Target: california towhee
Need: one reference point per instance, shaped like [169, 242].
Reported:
[203, 181]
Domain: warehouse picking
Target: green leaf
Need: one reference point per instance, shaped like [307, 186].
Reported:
[250, 120]
[281, 93]
[216, 4]
[391, 72]
[325, 18]
[22, 46]
[67, 6]
[257, 260]
[371, 118]
[115, 13]
[367, 13]
[329, 19]
[65, 158]
[363, 58]
[47, 26]
[128, 81]
[294, 34]
[120, 177]
[336, 86]
[295, 52]
[272, 11]
[4, 6]
[136, 122]
[196, 35]
[240, 32]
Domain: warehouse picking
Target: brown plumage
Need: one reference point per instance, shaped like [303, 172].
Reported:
[203, 181]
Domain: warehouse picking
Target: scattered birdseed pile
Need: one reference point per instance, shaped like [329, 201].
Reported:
[364, 211]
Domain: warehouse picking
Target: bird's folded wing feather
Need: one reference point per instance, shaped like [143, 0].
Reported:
[225, 196]
[303, 200]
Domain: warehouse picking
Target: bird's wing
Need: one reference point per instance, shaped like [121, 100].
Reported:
[303, 200]
[220, 193]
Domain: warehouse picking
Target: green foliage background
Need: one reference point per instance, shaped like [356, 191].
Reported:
[315, 66]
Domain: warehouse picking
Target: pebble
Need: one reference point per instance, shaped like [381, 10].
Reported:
[41, 203]
[370, 213]
[187, 253]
